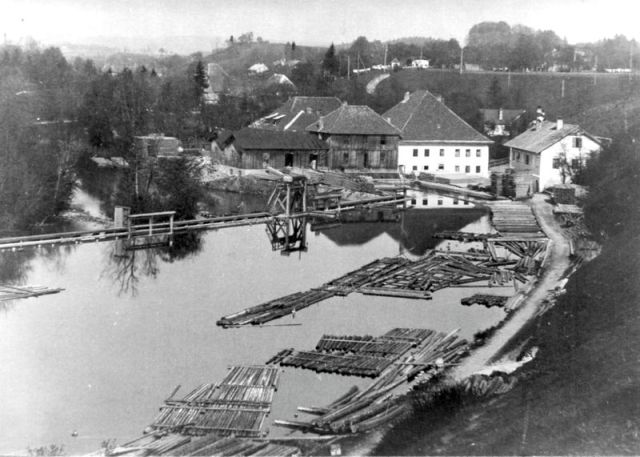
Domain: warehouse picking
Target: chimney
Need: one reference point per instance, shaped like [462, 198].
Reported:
[439, 98]
[500, 115]
[320, 124]
[309, 110]
[559, 124]
[406, 97]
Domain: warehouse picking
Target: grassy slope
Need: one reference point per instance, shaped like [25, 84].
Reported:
[595, 104]
[580, 396]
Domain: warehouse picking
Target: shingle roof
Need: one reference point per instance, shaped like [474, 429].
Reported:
[508, 115]
[251, 138]
[422, 117]
[298, 112]
[354, 120]
[538, 138]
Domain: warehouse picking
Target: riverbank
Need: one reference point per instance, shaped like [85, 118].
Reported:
[576, 397]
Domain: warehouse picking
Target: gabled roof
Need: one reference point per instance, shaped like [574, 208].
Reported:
[298, 112]
[354, 120]
[422, 117]
[508, 115]
[540, 137]
[251, 138]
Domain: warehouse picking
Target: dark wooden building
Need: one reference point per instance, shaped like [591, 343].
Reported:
[358, 138]
[251, 148]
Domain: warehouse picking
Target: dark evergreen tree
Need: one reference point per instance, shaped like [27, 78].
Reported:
[330, 63]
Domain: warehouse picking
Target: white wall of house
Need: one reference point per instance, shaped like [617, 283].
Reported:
[464, 159]
[430, 201]
[544, 167]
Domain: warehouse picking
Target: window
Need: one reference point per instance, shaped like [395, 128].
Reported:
[457, 152]
[441, 152]
[455, 200]
[426, 167]
[345, 157]
[413, 201]
[415, 168]
[575, 163]
[467, 153]
[425, 201]
[526, 159]
[467, 169]
[441, 167]
[383, 157]
[477, 168]
[426, 153]
[440, 202]
[466, 202]
[457, 168]
[518, 158]
[577, 142]
[383, 140]
[556, 163]
[478, 153]
[415, 153]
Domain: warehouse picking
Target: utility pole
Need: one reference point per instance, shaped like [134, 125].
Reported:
[461, 59]
[562, 94]
[386, 48]
[348, 67]
[595, 73]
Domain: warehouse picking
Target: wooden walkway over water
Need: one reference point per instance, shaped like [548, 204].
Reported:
[169, 228]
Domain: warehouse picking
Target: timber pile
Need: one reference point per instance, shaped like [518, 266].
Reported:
[400, 277]
[275, 309]
[357, 356]
[462, 236]
[355, 279]
[513, 217]
[530, 253]
[237, 406]
[210, 444]
[485, 300]
[358, 411]
[14, 292]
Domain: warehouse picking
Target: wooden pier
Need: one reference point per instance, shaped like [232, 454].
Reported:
[512, 217]
[238, 405]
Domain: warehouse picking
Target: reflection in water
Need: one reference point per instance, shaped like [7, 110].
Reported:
[288, 235]
[414, 233]
[126, 264]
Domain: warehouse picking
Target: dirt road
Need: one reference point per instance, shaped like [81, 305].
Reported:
[557, 264]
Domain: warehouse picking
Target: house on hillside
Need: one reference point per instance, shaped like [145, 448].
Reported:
[251, 149]
[258, 69]
[436, 140]
[395, 64]
[298, 113]
[549, 153]
[279, 84]
[420, 63]
[502, 122]
[359, 138]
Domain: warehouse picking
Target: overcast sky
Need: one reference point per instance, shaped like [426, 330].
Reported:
[316, 22]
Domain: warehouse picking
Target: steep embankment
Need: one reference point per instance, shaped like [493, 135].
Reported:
[579, 396]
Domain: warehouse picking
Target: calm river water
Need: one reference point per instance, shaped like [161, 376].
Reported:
[100, 357]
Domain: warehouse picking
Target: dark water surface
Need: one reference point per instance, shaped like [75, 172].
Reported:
[101, 356]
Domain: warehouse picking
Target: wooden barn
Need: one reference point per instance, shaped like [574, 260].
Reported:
[358, 138]
[251, 148]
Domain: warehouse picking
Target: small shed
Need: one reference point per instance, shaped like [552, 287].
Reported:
[251, 148]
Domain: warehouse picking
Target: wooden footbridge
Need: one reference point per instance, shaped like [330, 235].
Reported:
[162, 224]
